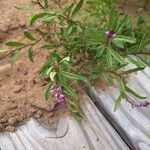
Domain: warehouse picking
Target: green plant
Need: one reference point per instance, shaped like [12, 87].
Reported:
[97, 44]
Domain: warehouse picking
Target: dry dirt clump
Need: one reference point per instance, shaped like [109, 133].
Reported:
[21, 89]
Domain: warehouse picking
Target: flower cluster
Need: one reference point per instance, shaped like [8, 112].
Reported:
[60, 98]
[110, 34]
[142, 104]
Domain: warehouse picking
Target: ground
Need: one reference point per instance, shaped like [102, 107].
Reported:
[21, 90]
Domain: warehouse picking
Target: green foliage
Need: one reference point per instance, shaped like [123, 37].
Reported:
[86, 41]
[14, 44]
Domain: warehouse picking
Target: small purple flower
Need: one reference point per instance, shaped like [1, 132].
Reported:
[110, 34]
[142, 104]
[60, 98]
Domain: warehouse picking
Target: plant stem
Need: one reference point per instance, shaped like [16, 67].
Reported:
[25, 46]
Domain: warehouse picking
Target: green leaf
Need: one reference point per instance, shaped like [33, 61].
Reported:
[134, 93]
[14, 44]
[36, 17]
[121, 24]
[72, 76]
[29, 36]
[125, 39]
[118, 43]
[118, 102]
[52, 75]
[117, 56]
[30, 54]
[68, 89]
[65, 59]
[26, 6]
[133, 70]
[48, 46]
[100, 52]
[109, 57]
[47, 92]
[77, 8]
[48, 17]
[122, 86]
[45, 67]
[15, 57]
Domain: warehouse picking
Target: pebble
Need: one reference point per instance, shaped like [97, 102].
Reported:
[3, 120]
[10, 129]
[32, 110]
[12, 121]
[18, 89]
[51, 114]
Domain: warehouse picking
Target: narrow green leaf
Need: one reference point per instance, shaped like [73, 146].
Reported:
[122, 86]
[47, 92]
[118, 43]
[133, 70]
[36, 17]
[15, 57]
[77, 8]
[14, 44]
[68, 89]
[48, 46]
[30, 54]
[72, 76]
[45, 67]
[118, 102]
[29, 36]
[65, 59]
[121, 24]
[135, 94]
[100, 52]
[26, 6]
[109, 58]
[117, 56]
[52, 75]
[125, 39]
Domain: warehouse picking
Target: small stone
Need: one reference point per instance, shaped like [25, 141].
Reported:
[51, 114]
[12, 107]
[32, 110]
[18, 89]
[10, 129]
[12, 121]
[3, 120]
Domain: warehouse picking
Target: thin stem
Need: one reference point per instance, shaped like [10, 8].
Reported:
[17, 49]
[38, 1]
[140, 53]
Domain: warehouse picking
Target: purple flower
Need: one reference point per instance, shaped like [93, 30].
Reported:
[110, 34]
[60, 98]
[142, 104]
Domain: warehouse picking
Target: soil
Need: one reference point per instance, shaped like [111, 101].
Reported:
[21, 89]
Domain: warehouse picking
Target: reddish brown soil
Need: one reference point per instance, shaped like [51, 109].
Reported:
[21, 89]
